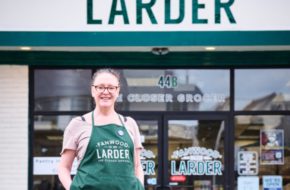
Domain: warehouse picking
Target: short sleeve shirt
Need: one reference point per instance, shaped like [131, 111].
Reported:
[77, 135]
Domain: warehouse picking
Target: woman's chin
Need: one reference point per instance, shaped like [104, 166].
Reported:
[105, 104]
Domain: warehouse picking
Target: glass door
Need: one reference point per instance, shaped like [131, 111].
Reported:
[195, 153]
[150, 156]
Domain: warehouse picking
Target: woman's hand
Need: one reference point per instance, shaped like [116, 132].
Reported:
[64, 168]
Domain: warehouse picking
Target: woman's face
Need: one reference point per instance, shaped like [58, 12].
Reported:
[105, 90]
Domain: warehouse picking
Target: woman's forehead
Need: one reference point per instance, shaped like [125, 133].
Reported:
[106, 78]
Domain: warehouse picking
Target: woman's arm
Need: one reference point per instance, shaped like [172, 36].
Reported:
[134, 129]
[138, 166]
[64, 169]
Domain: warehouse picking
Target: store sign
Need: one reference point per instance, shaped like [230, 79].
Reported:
[151, 181]
[143, 8]
[272, 182]
[169, 98]
[246, 183]
[49, 165]
[272, 146]
[178, 178]
[167, 81]
[144, 15]
[248, 163]
[196, 161]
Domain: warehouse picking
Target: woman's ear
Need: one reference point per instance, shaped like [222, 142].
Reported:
[92, 92]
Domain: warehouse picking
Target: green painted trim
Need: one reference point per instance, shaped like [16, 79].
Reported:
[243, 38]
[147, 60]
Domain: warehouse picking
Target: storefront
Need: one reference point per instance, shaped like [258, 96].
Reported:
[208, 119]
[192, 126]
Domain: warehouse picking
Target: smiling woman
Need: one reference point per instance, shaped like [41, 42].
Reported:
[105, 88]
[106, 144]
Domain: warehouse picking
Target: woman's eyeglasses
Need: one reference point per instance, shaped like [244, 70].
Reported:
[102, 89]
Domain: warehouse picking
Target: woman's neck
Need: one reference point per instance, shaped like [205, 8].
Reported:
[105, 112]
[102, 116]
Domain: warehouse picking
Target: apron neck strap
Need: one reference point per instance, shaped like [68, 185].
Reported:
[121, 120]
[93, 119]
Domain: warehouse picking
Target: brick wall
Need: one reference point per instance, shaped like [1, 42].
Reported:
[13, 127]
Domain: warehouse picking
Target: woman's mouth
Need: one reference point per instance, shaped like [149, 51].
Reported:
[105, 98]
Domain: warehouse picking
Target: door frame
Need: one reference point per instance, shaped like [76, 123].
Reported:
[162, 117]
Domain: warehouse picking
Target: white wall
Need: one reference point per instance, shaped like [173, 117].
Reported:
[13, 127]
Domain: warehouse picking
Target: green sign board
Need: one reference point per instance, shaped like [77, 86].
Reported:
[144, 23]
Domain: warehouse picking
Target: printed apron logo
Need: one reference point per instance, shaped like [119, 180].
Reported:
[196, 161]
[113, 151]
[120, 132]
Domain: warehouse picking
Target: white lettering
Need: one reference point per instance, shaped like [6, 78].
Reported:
[148, 167]
[112, 142]
[113, 154]
[189, 98]
[160, 98]
[181, 98]
[122, 154]
[127, 154]
[104, 155]
[110, 153]
[196, 167]
[197, 98]
[194, 151]
[168, 98]
[116, 154]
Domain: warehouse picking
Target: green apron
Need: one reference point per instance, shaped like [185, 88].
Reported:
[108, 163]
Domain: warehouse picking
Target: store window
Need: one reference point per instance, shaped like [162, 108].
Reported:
[149, 155]
[174, 90]
[55, 91]
[262, 149]
[48, 135]
[61, 94]
[62, 90]
[262, 89]
[196, 154]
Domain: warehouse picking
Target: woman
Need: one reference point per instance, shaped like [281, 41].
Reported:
[106, 144]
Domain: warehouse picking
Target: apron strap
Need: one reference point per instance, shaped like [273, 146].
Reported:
[129, 132]
[93, 122]
[121, 120]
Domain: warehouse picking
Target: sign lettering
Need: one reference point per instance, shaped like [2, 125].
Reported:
[196, 161]
[143, 9]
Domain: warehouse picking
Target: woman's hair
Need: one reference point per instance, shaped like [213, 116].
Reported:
[106, 70]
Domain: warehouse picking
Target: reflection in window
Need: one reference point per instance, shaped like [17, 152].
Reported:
[268, 136]
[262, 89]
[192, 145]
[48, 134]
[174, 90]
[62, 90]
[47, 142]
[46, 182]
[149, 155]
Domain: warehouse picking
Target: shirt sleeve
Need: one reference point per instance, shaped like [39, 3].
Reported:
[136, 133]
[69, 140]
